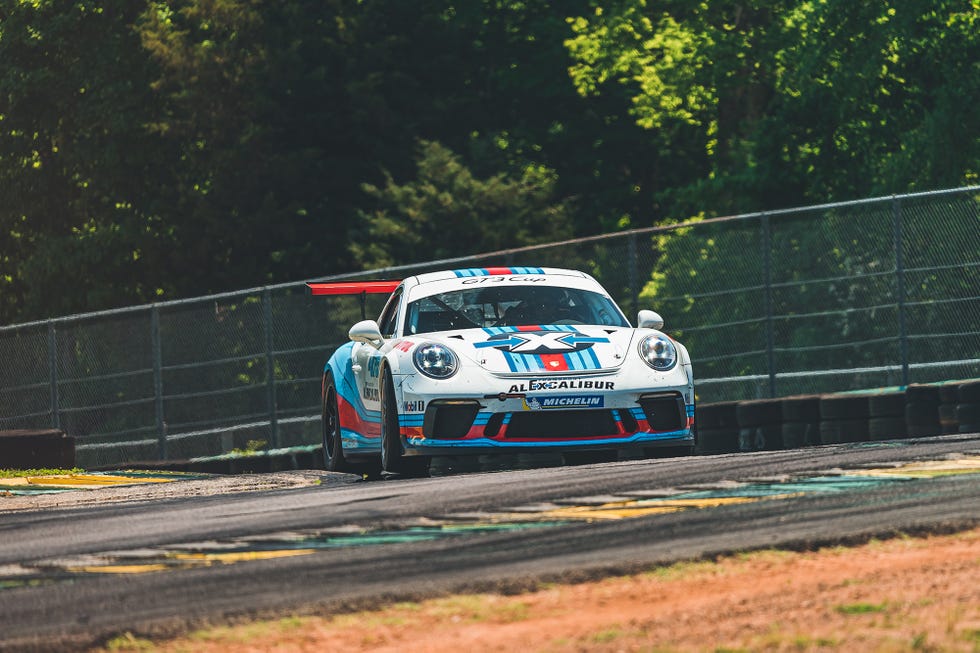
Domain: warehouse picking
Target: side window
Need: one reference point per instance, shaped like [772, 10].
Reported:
[390, 315]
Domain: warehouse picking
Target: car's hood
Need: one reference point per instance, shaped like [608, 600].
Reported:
[542, 349]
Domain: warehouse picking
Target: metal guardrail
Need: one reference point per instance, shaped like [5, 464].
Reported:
[834, 297]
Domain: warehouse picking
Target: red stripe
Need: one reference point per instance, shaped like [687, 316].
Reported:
[530, 327]
[353, 287]
[349, 419]
[499, 270]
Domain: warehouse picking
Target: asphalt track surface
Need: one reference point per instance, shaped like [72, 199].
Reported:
[492, 549]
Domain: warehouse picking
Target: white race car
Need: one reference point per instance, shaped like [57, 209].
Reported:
[491, 360]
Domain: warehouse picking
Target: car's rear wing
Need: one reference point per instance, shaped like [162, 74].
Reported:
[353, 287]
[361, 288]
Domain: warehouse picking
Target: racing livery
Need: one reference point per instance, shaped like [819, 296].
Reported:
[488, 360]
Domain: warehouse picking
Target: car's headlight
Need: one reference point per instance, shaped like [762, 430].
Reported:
[435, 360]
[658, 352]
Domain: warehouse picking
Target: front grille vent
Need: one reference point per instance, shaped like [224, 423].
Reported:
[561, 424]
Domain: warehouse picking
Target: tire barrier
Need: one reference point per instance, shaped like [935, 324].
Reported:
[760, 425]
[886, 416]
[844, 418]
[968, 407]
[46, 449]
[800, 421]
[717, 427]
[919, 410]
[922, 410]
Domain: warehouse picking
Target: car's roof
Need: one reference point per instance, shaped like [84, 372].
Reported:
[447, 280]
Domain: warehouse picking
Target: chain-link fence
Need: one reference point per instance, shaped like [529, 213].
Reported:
[837, 297]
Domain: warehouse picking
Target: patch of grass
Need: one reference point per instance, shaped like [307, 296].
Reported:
[919, 643]
[606, 636]
[292, 623]
[252, 446]
[17, 473]
[681, 570]
[862, 608]
[129, 642]
[477, 608]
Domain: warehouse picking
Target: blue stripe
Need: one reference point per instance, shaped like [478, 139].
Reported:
[482, 419]
[641, 436]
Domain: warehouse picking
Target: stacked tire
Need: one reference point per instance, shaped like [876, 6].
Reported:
[844, 418]
[887, 416]
[968, 408]
[922, 410]
[717, 426]
[759, 425]
[800, 421]
[948, 400]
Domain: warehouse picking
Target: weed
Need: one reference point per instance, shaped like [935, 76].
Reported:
[862, 608]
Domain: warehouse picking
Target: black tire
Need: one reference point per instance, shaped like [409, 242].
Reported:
[845, 430]
[393, 458]
[797, 435]
[949, 393]
[768, 437]
[333, 446]
[720, 415]
[887, 428]
[717, 440]
[804, 409]
[924, 430]
[948, 422]
[927, 394]
[887, 404]
[843, 407]
[968, 413]
[922, 414]
[969, 393]
[758, 412]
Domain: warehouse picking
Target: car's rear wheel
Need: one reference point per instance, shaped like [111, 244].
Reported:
[393, 458]
[333, 446]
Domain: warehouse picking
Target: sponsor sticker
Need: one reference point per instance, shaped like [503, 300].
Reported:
[417, 406]
[562, 384]
[563, 401]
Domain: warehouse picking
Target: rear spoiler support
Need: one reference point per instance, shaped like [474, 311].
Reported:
[361, 288]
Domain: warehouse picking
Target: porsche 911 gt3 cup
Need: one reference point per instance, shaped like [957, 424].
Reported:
[492, 360]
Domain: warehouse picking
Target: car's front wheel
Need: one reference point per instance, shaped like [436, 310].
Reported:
[393, 458]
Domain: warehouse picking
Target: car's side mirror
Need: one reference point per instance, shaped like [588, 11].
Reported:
[366, 331]
[649, 320]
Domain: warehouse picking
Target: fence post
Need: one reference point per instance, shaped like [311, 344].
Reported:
[632, 274]
[767, 271]
[903, 336]
[53, 374]
[158, 381]
[270, 368]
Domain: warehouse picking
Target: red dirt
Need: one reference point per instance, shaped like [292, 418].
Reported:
[897, 595]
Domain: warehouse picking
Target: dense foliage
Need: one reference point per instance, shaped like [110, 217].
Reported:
[153, 149]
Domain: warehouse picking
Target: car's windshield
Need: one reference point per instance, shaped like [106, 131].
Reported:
[510, 305]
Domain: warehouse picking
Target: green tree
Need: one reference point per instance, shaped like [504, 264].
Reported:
[445, 211]
[79, 221]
